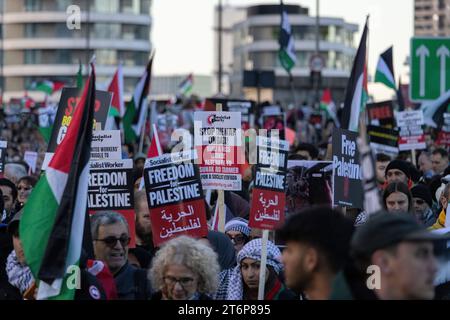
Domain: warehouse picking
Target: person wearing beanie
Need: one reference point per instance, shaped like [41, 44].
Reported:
[398, 171]
[238, 231]
[422, 203]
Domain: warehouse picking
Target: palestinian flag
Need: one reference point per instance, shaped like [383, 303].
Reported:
[433, 112]
[356, 92]
[286, 53]
[55, 215]
[116, 88]
[186, 85]
[45, 120]
[47, 86]
[385, 70]
[136, 110]
[327, 105]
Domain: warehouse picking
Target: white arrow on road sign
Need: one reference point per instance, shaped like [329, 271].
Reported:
[422, 52]
[443, 53]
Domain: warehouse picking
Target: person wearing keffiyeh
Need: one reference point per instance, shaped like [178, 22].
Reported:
[241, 282]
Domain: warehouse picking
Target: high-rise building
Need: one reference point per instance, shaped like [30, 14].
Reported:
[255, 47]
[38, 43]
[432, 18]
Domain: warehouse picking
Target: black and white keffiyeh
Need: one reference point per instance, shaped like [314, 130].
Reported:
[18, 275]
[251, 250]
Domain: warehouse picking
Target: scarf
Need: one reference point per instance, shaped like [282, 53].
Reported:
[18, 275]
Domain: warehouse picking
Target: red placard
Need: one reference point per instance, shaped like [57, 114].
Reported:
[268, 209]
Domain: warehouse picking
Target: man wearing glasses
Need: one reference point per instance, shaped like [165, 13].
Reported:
[111, 237]
[422, 203]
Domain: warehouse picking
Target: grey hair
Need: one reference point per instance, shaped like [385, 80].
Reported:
[105, 218]
[194, 255]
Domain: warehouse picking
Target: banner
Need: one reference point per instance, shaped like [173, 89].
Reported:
[383, 140]
[3, 146]
[381, 114]
[111, 189]
[175, 197]
[106, 144]
[66, 108]
[30, 157]
[268, 194]
[347, 170]
[411, 136]
[309, 183]
[218, 141]
[245, 107]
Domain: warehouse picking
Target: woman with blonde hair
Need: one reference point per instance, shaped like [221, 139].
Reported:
[184, 269]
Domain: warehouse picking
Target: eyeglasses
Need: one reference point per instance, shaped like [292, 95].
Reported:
[183, 281]
[238, 239]
[111, 241]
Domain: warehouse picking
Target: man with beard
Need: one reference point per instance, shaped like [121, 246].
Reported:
[317, 246]
[144, 250]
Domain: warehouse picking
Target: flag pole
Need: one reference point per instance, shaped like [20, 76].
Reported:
[294, 96]
[221, 196]
[262, 268]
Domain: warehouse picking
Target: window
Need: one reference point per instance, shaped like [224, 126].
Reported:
[130, 6]
[441, 21]
[110, 6]
[106, 31]
[106, 57]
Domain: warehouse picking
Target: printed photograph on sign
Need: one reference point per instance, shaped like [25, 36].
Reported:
[309, 183]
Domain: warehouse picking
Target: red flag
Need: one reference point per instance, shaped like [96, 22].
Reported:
[116, 87]
[155, 149]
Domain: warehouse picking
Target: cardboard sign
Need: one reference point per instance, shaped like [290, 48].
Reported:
[106, 144]
[383, 140]
[30, 157]
[111, 188]
[381, 114]
[218, 140]
[309, 183]
[3, 146]
[347, 171]
[411, 135]
[66, 108]
[175, 197]
[268, 194]
[245, 107]
[443, 138]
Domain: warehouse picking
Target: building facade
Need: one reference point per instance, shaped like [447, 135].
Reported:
[167, 87]
[255, 47]
[432, 18]
[37, 43]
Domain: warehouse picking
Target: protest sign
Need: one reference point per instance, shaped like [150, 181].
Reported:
[218, 140]
[66, 108]
[381, 114]
[31, 157]
[245, 107]
[111, 188]
[347, 171]
[3, 145]
[106, 144]
[411, 136]
[443, 138]
[268, 194]
[383, 140]
[309, 183]
[175, 196]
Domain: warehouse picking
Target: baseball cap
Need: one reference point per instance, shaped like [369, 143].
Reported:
[385, 229]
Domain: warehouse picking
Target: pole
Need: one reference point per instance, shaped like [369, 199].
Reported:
[2, 79]
[142, 138]
[258, 86]
[219, 48]
[413, 155]
[316, 83]
[221, 196]
[262, 268]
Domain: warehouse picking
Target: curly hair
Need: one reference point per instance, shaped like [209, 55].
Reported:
[193, 254]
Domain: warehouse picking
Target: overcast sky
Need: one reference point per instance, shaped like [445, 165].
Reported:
[183, 30]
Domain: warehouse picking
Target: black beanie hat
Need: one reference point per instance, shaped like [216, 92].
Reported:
[399, 165]
[423, 192]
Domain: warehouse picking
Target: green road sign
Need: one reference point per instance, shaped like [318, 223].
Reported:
[430, 68]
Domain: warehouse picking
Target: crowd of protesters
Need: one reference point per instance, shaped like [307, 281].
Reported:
[319, 253]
